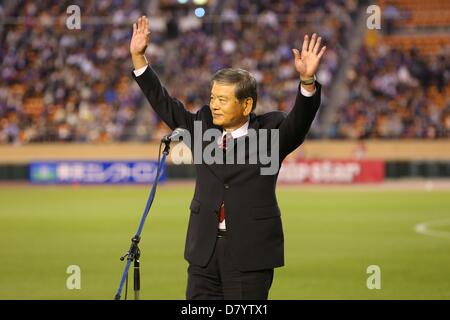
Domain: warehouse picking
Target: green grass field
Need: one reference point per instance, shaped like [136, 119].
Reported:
[331, 235]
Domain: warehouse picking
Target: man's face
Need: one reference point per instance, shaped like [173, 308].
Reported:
[226, 109]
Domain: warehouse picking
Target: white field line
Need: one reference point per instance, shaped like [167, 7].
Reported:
[426, 228]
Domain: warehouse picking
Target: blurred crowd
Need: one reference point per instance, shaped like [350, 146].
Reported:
[75, 85]
[396, 94]
[67, 85]
[59, 84]
[254, 35]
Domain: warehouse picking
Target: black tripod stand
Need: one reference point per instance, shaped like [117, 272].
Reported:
[133, 255]
[134, 252]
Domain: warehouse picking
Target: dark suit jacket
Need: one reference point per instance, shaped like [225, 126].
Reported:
[254, 228]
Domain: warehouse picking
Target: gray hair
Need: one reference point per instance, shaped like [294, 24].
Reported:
[244, 81]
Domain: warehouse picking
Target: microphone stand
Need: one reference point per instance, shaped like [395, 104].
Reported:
[134, 253]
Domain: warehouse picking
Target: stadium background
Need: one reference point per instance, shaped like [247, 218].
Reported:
[67, 95]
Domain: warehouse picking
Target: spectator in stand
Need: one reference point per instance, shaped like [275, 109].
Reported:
[396, 95]
[65, 85]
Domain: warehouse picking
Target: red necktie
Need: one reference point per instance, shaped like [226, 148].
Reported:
[221, 213]
[226, 138]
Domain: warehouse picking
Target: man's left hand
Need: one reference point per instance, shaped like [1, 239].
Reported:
[307, 62]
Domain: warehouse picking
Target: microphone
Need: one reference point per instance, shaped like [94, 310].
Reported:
[174, 135]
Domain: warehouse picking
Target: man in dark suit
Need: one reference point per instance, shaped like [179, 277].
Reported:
[235, 237]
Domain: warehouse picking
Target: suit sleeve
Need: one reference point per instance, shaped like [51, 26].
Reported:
[297, 123]
[169, 109]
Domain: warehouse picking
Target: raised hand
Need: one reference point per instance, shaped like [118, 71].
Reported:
[140, 38]
[307, 62]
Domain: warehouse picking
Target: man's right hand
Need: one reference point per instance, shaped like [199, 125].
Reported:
[139, 42]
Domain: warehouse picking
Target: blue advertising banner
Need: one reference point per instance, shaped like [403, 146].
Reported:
[94, 172]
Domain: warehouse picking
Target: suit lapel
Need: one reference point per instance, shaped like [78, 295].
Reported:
[218, 169]
[253, 125]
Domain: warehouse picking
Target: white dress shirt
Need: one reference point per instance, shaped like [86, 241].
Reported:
[241, 131]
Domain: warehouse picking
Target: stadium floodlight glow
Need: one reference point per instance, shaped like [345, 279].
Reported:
[200, 2]
[199, 12]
